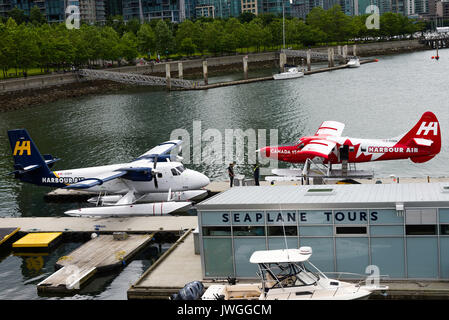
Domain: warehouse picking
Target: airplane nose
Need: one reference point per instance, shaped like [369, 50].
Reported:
[264, 152]
[204, 180]
[197, 180]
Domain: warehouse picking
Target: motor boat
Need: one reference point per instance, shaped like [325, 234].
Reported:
[291, 73]
[286, 275]
[354, 63]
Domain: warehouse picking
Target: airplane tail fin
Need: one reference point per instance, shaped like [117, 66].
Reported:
[425, 133]
[30, 166]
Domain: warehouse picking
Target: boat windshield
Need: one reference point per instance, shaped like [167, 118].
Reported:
[279, 275]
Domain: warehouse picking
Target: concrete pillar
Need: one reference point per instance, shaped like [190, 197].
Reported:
[330, 57]
[339, 50]
[345, 51]
[180, 70]
[167, 75]
[354, 50]
[205, 72]
[309, 60]
[282, 61]
[245, 67]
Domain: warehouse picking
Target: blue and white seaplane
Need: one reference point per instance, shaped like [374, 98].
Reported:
[155, 183]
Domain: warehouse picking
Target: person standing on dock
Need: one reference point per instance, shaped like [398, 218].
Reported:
[256, 173]
[231, 174]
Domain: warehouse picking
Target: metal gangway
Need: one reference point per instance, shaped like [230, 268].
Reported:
[315, 55]
[139, 79]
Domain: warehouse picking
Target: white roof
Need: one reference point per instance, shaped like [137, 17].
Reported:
[289, 197]
[281, 256]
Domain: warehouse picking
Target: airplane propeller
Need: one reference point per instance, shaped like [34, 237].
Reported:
[154, 173]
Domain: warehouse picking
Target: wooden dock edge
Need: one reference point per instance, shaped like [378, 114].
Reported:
[136, 292]
[78, 282]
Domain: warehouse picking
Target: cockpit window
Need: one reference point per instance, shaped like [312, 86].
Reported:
[300, 146]
[180, 169]
[174, 172]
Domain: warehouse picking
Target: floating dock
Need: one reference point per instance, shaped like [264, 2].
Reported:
[7, 235]
[100, 254]
[40, 241]
[106, 225]
[245, 81]
[164, 278]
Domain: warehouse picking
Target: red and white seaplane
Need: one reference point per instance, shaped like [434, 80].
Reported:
[328, 146]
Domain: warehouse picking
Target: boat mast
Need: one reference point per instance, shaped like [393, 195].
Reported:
[283, 24]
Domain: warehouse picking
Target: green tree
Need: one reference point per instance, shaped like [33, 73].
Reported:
[198, 36]
[245, 17]
[256, 33]
[24, 46]
[36, 16]
[164, 38]
[187, 46]
[212, 35]
[133, 26]
[228, 42]
[128, 46]
[18, 15]
[275, 28]
[109, 40]
[6, 53]
[117, 23]
[186, 29]
[81, 50]
[146, 39]
[390, 24]
[92, 38]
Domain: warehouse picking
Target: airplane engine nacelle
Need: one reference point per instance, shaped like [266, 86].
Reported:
[169, 157]
[138, 174]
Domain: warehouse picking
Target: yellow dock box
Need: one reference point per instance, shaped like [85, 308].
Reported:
[39, 240]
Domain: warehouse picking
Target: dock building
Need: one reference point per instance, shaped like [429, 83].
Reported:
[403, 229]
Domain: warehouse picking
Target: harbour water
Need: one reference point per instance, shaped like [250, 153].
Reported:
[377, 100]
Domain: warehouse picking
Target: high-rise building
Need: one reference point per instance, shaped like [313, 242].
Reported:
[300, 9]
[399, 6]
[91, 11]
[152, 9]
[214, 8]
[249, 6]
[442, 9]
[275, 6]
[113, 8]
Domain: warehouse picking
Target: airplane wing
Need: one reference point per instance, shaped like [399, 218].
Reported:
[97, 180]
[331, 128]
[318, 148]
[161, 149]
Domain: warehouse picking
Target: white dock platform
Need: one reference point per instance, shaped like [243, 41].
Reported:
[174, 269]
[81, 224]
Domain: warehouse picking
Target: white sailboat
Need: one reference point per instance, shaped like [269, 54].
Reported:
[286, 275]
[291, 73]
[354, 62]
